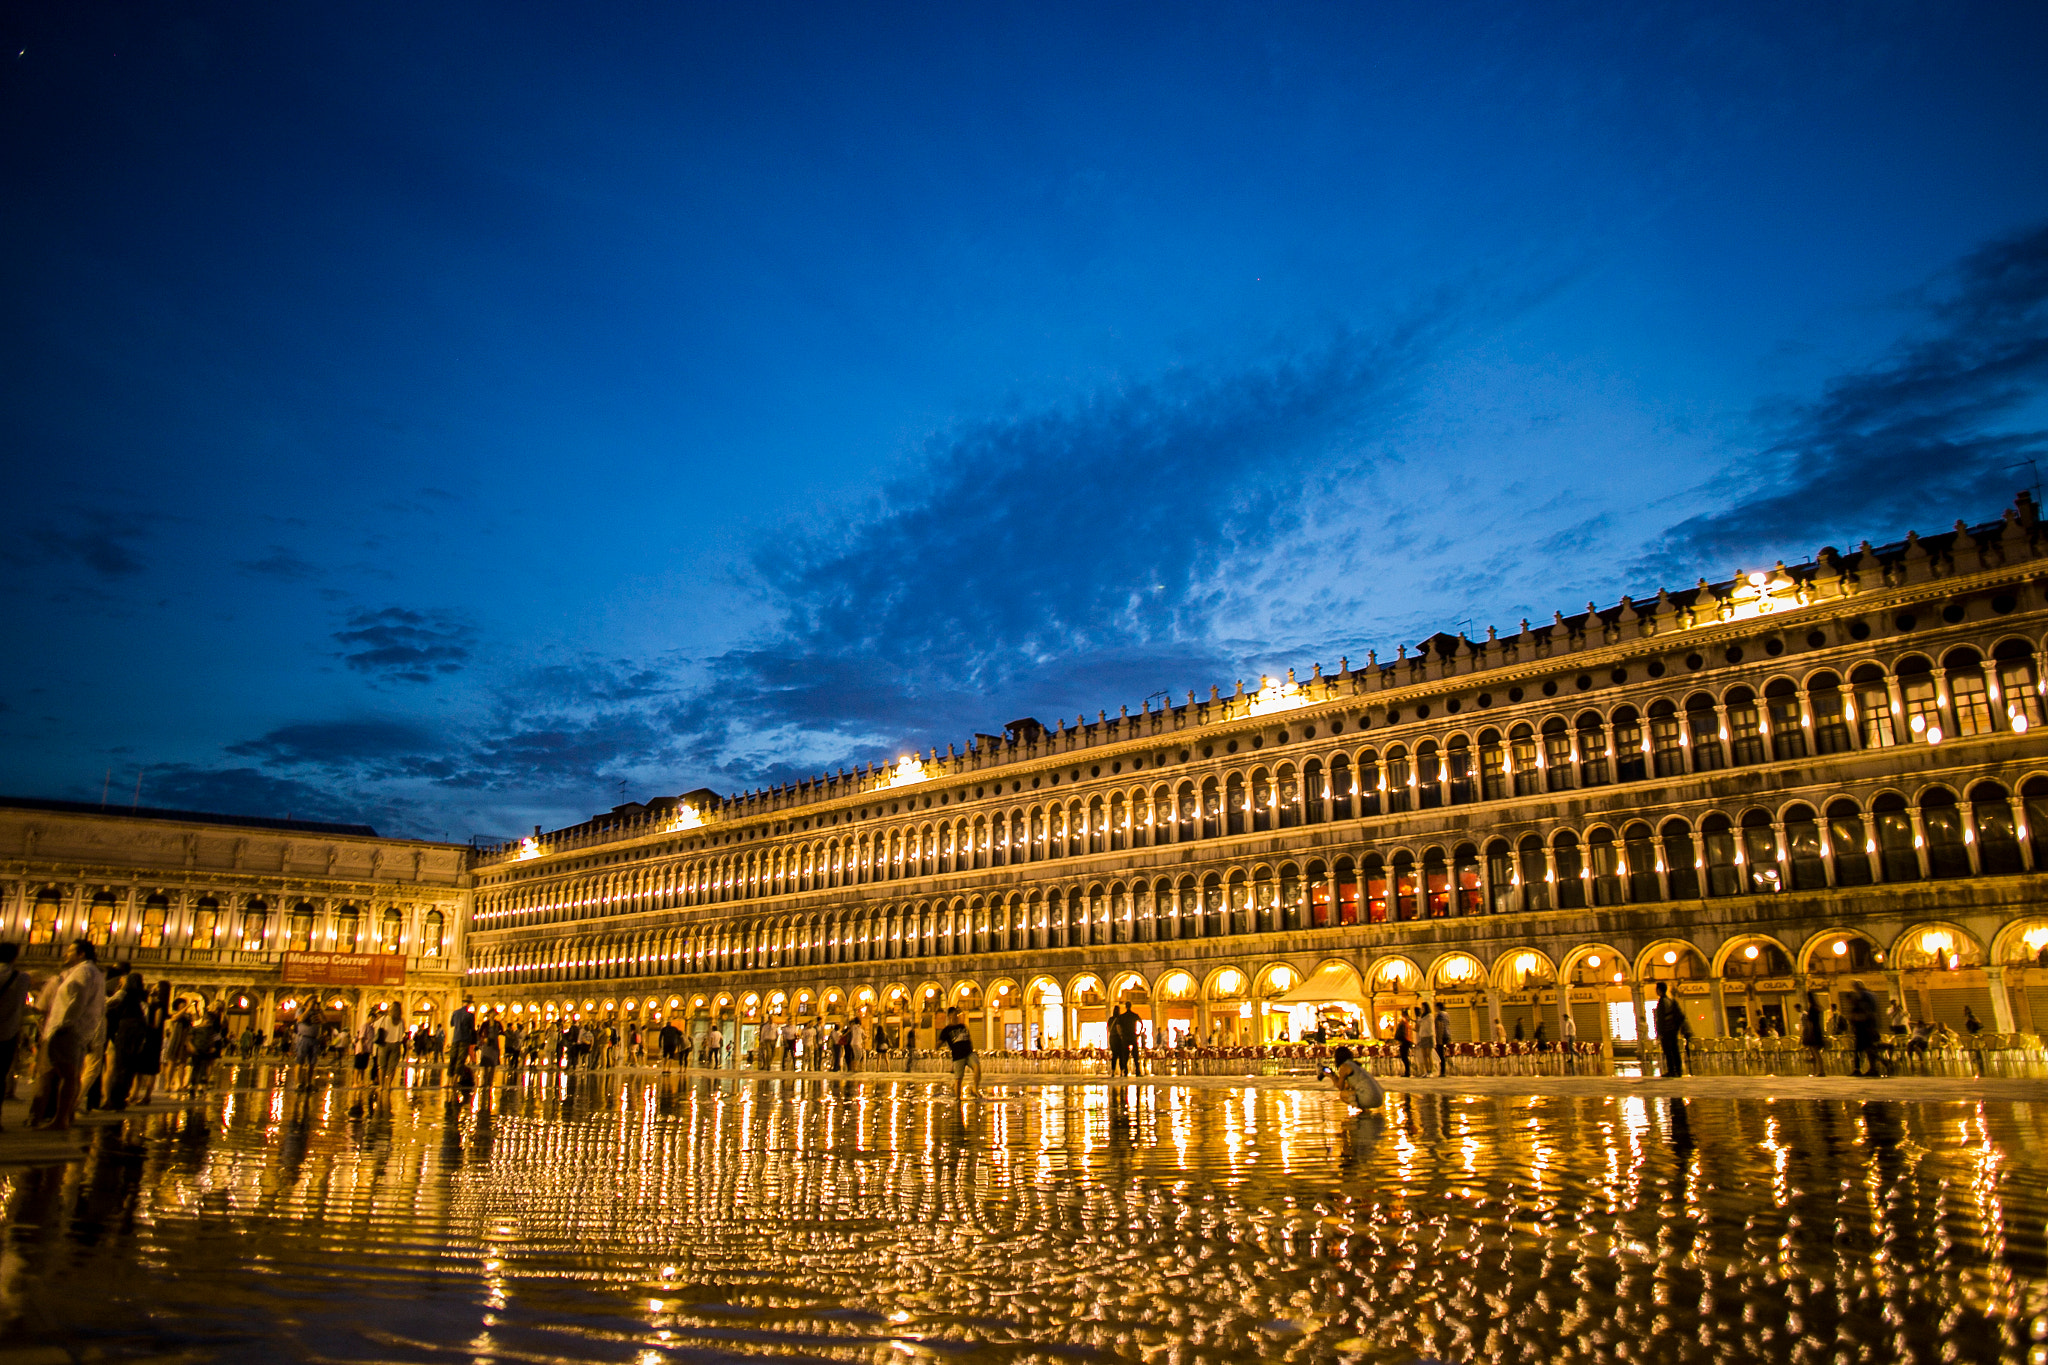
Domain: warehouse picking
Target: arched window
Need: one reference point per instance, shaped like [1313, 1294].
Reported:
[1873, 703]
[1922, 698]
[255, 925]
[1342, 788]
[1405, 887]
[1593, 766]
[1631, 762]
[1212, 809]
[1942, 818]
[1681, 865]
[1603, 858]
[1535, 875]
[1639, 843]
[1760, 853]
[1235, 805]
[1522, 761]
[392, 938]
[1399, 785]
[1289, 795]
[1500, 876]
[1571, 867]
[300, 932]
[1493, 767]
[1315, 790]
[205, 922]
[1346, 877]
[1969, 696]
[1369, 784]
[1849, 844]
[1465, 878]
[1429, 775]
[1998, 839]
[1436, 884]
[2019, 690]
[1830, 720]
[1895, 838]
[1788, 728]
[430, 935]
[1703, 728]
[1803, 849]
[348, 924]
[1290, 897]
[1717, 839]
[1667, 741]
[1119, 823]
[155, 911]
[2034, 797]
[99, 925]
[1212, 907]
[1261, 810]
[1098, 824]
[49, 908]
[1458, 762]
[1745, 727]
[1372, 873]
[1557, 755]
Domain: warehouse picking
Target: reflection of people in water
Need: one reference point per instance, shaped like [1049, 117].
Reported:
[1357, 1138]
[1681, 1125]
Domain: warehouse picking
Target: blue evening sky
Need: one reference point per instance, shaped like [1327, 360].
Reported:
[454, 416]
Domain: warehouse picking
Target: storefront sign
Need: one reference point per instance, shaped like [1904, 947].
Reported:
[1694, 987]
[1775, 983]
[344, 969]
[1516, 998]
[1585, 997]
[1546, 997]
[1455, 1002]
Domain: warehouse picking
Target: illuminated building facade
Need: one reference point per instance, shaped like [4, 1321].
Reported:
[1745, 789]
[243, 911]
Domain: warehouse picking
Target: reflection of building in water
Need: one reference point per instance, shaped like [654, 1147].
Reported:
[242, 910]
[1789, 780]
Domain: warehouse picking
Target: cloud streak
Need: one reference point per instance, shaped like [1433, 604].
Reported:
[397, 645]
[1929, 426]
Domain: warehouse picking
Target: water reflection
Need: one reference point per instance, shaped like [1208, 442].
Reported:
[606, 1219]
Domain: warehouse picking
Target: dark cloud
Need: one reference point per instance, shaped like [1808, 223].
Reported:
[342, 744]
[397, 645]
[281, 564]
[98, 539]
[1914, 441]
[1068, 552]
[250, 791]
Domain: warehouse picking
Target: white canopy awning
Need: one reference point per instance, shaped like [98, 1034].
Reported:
[1333, 984]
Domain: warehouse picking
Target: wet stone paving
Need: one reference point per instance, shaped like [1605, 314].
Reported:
[638, 1218]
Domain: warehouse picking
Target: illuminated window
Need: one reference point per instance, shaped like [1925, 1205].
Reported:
[1969, 695]
[1998, 843]
[1667, 742]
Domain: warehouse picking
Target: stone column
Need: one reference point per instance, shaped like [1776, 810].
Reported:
[1919, 841]
[2020, 828]
[1717, 996]
[2001, 1001]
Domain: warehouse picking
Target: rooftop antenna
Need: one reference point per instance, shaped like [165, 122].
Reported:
[106, 786]
[136, 804]
[2035, 469]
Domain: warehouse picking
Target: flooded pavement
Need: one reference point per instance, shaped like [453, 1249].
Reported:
[642, 1219]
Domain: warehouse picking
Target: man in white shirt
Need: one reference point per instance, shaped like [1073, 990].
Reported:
[1570, 1034]
[76, 1010]
[390, 1047]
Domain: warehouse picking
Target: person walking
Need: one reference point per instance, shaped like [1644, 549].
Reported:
[75, 1014]
[1813, 1032]
[1425, 1035]
[1568, 1042]
[1404, 1041]
[128, 1036]
[1672, 1031]
[390, 1047]
[1864, 1021]
[206, 1038]
[959, 1038]
[1973, 1026]
[150, 1062]
[1443, 1040]
[1123, 1032]
[307, 1037]
[13, 1014]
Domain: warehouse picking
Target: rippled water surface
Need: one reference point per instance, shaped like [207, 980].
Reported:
[646, 1220]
